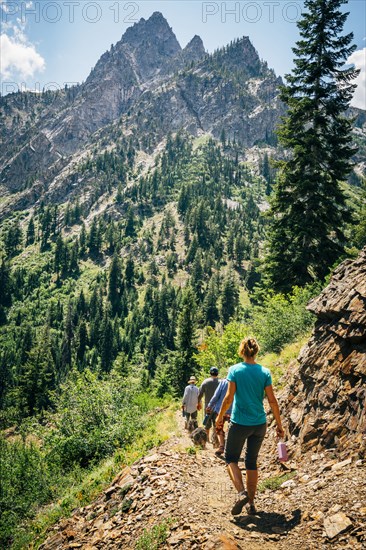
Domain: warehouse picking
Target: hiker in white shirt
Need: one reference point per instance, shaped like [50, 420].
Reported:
[190, 400]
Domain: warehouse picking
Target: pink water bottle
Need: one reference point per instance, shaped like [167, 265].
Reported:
[282, 451]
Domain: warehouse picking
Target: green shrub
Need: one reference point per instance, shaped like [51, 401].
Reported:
[278, 321]
[221, 349]
[26, 482]
[281, 319]
[94, 417]
[274, 483]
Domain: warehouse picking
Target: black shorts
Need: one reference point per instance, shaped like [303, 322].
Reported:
[236, 437]
[211, 420]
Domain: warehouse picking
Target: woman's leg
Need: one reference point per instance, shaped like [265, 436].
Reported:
[236, 476]
[251, 482]
[236, 437]
[235, 440]
[254, 444]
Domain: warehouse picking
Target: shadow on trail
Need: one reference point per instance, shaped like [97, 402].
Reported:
[269, 522]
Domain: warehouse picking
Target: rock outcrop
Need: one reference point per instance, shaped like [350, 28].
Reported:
[325, 399]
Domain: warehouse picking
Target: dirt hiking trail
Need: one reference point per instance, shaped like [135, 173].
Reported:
[321, 505]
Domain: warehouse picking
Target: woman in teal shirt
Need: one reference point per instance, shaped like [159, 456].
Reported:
[248, 382]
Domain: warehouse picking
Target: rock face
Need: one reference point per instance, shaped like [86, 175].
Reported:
[118, 78]
[326, 397]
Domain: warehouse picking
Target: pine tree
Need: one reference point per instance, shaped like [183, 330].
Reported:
[59, 254]
[73, 266]
[210, 309]
[66, 348]
[130, 229]
[197, 276]
[82, 341]
[119, 196]
[153, 346]
[81, 305]
[267, 173]
[37, 377]
[186, 335]
[13, 239]
[5, 289]
[130, 272]
[192, 250]
[107, 343]
[94, 240]
[229, 299]
[30, 237]
[309, 209]
[114, 284]
[82, 241]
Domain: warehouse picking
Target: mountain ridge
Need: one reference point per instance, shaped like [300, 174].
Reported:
[114, 87]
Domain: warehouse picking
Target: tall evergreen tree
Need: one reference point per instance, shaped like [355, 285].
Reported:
[66, 348]
[13, 239]
[153, 346]
[59, 254]
[210, 309]
[107, 353]
[37, 377]
[82, 341]
[94, 240]
[31, 233]
[114, 284]
[229, 299]
[308, 208]
[5, 289]
[186, 336]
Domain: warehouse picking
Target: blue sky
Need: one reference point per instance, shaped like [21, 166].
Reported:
[47, 43]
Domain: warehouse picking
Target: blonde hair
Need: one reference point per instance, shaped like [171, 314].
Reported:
[248, 347]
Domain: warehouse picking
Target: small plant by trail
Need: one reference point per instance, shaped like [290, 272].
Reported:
[154, 538]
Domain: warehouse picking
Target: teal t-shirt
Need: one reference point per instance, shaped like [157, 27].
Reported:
[250, 380]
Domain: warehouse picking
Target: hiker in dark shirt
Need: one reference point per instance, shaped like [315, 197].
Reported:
[214, 406]
[207, 390]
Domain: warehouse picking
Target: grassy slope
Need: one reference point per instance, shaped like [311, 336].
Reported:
[91, 483]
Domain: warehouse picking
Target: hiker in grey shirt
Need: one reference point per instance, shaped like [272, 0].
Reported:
[207, 389]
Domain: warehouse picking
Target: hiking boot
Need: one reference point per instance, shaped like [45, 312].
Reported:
[239, 504]
[219, 451]
[251, 509]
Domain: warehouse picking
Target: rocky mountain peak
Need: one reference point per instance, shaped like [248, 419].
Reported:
[195, 49]
[153, 33]
[241, 54]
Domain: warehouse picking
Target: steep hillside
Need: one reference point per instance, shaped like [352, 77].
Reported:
[82, 280]
[133, 225]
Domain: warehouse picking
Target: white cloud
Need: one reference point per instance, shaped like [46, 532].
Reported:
[358, 59]
[19, 58]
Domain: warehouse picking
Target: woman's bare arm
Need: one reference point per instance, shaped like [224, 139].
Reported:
[275, 409]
